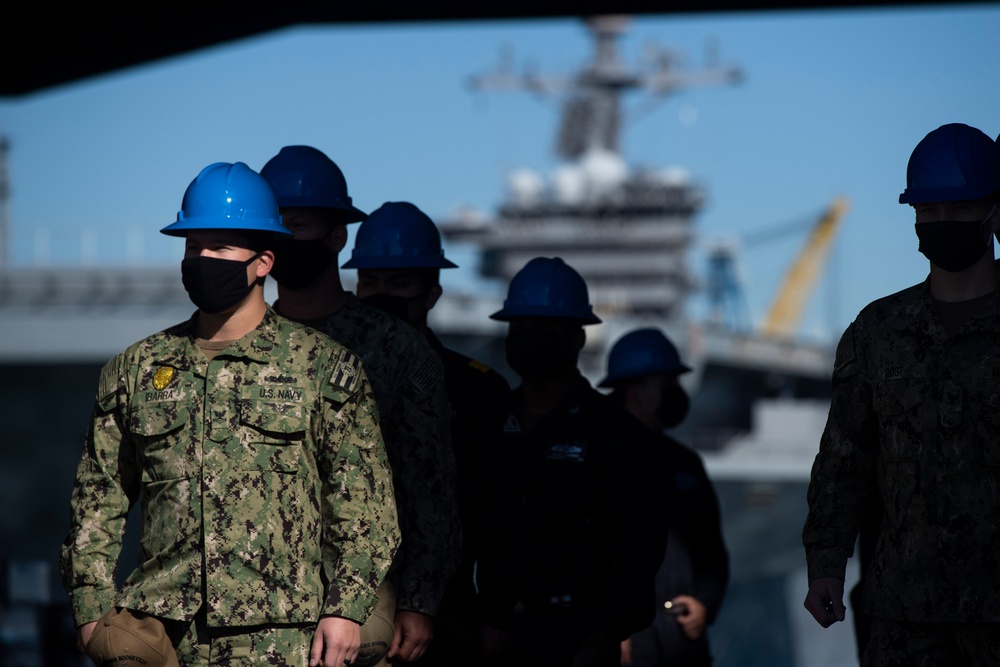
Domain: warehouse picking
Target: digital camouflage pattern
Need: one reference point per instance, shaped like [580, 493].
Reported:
[265, 488]
[271, 646]
[408, 379]
[918, 414]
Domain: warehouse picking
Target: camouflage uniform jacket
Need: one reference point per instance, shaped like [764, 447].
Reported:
[265, 488]
[408, 379]
[915, 414]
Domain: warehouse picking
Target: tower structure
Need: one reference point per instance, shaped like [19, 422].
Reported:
[627, 231]
[4, 201]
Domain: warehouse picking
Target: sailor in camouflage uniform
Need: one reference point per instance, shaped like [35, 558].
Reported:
[398, 255]
[916, 415]
[408, 380]
[253, 445]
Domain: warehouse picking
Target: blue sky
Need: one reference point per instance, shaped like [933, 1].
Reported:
[831, 105]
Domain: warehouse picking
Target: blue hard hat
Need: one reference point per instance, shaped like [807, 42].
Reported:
[398, 235]
[952, 163]
[547, 287]
[641, 352]
[227, 196]
[305, 176]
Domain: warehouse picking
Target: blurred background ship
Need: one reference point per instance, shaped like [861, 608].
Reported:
[759, 395]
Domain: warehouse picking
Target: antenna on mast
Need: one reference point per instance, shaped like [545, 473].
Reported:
[4, 200]
[592, 114]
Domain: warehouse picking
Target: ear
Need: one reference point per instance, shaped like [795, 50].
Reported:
[338, 238]
[265, 262]
[433, 294]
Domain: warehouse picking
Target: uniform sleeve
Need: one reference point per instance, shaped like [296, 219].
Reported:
[844, 467]
[426, 485]
[360, 525]
[500, 476]
[106, 486]
[709, 556]
[636, 495]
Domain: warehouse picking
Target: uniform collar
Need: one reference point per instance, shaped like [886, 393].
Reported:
[256, 346]
[570, 403]
[916, 311]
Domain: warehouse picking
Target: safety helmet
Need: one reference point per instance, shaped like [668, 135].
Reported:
[227, 196]
[305, 176]
[642, 352]
[547, 287]
[954, 162]
[398, 235]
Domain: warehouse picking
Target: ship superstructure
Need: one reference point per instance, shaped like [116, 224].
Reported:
[627, 231]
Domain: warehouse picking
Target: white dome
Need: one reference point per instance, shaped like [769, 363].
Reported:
[604, 170]
[674, 176]
[569, 184]
[525, 187]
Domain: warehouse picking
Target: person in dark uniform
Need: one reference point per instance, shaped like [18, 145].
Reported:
[569, 493]
[398, 257]
[916, 387]
[644, 369]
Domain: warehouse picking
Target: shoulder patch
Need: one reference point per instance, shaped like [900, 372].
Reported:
[346, 370]
[108, 384]
[845, 350]
[428, 375]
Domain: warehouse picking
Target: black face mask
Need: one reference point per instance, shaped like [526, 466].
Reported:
[300, 263]
[216, 284]
[952, 245]
[397, 306]
[674, 407]
[539, 355]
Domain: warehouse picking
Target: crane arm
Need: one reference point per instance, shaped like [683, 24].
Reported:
[790, 299]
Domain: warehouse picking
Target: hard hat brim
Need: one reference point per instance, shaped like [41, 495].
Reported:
[343, 214]
[506, 314]
[399, 263]
[182, 227]
[613, 379]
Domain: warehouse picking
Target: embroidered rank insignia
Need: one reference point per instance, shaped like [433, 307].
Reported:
[347, 368]
[162, 377]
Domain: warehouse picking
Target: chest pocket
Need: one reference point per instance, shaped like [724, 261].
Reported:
[902, 405]
[272, 434]
[160, 430]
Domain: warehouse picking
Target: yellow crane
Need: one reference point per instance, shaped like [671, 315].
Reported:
[790, 299]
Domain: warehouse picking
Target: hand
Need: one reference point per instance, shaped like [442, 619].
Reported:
[336, 641]
[413, 635]
[693, 620]
[825, 600]
[626, 652]
[83, 635]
